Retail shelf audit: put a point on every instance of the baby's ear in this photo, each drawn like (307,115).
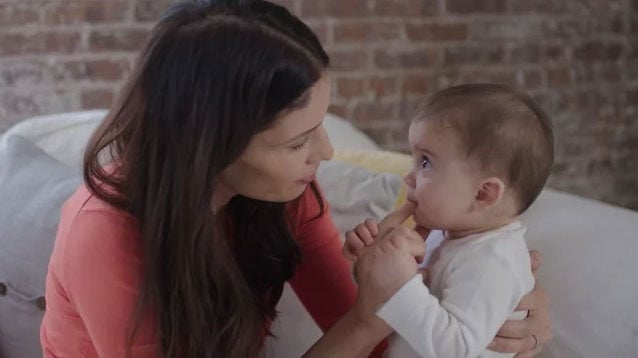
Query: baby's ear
(490,192)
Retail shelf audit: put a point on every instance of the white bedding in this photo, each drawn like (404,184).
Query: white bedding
(590,251)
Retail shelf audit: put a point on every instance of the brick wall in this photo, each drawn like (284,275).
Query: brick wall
(579,58)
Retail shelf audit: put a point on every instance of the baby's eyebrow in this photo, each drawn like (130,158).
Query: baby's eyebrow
(426,151)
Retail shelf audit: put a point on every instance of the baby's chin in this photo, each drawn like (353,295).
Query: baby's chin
(424,221)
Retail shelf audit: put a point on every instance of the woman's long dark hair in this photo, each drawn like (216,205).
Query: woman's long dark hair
(212,75)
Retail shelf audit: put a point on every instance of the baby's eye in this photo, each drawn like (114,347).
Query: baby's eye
(425,163)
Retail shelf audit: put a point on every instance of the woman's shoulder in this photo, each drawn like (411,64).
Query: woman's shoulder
(90,228)
(85,206)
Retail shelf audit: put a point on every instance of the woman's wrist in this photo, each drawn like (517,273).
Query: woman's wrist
(366,318)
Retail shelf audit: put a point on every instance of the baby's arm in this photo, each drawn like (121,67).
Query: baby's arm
(477,297)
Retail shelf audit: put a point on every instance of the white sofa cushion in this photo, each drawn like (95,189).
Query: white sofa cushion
(63,136)
(33,187)
(590,270)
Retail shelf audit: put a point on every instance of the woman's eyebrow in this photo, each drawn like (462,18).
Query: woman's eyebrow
(304,133)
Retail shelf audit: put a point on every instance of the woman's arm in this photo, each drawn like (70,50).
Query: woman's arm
(324,285)
(382,269)
(527,337)
(351,336)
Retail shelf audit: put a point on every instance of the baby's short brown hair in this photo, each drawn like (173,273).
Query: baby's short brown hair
(503,128)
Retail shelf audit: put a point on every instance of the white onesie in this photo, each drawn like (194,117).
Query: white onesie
(474,284)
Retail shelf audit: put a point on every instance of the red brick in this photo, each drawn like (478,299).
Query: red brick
(351,87)
(38,43)
(288,4)
(436,32)
(554,52)
(532,79)
(93,99)
(94,70)
(367,32)
(322,30)
(150,10)
(528,53)
(88,11)
(497,75)
(339,110)
(559,76)
(598,51)
(120,39)
(384,86)
(565,29)
(15,14)
(36,72)
(549,7)
(617,25)
(335,8)
(19,105)
(417,84)
(610,73)
(476,6)
(409,108)
(374,111)
(406,8)
(584,73)
(473,55)
(21,73)
(505,28)
(406,58)
(349,60)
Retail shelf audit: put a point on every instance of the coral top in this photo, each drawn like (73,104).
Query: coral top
(95,271)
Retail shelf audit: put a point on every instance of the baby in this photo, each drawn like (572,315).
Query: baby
(482,154)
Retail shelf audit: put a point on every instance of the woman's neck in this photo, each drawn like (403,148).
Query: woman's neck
(221,196)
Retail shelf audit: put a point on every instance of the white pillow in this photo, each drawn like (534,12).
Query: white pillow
(590,270)
(343,134)
(355,193)
(62,136)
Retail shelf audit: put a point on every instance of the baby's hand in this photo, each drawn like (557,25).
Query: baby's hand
(358,238)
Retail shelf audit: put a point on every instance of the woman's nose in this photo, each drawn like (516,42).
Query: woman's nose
(323,149)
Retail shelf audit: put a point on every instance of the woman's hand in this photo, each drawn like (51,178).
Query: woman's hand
(527,337)
(387,264)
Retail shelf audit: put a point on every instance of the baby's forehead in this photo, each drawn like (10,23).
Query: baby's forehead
(434,130)
(439,138)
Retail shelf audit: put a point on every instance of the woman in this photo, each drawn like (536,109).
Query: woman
(181,247)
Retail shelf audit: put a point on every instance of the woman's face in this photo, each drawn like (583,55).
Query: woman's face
(280,162)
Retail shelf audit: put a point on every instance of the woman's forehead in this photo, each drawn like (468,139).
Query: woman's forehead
(296,122)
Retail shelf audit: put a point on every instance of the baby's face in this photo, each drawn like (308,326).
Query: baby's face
(443,181)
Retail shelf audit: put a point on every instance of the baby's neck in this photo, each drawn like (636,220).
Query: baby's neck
(486,225)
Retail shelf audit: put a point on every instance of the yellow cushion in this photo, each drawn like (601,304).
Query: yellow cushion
(379,161)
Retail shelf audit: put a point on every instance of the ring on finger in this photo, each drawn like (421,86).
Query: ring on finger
(536,343)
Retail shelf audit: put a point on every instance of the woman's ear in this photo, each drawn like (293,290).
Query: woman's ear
(490,192)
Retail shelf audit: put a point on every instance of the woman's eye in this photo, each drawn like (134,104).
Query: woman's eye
(425,163)
(301,145)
